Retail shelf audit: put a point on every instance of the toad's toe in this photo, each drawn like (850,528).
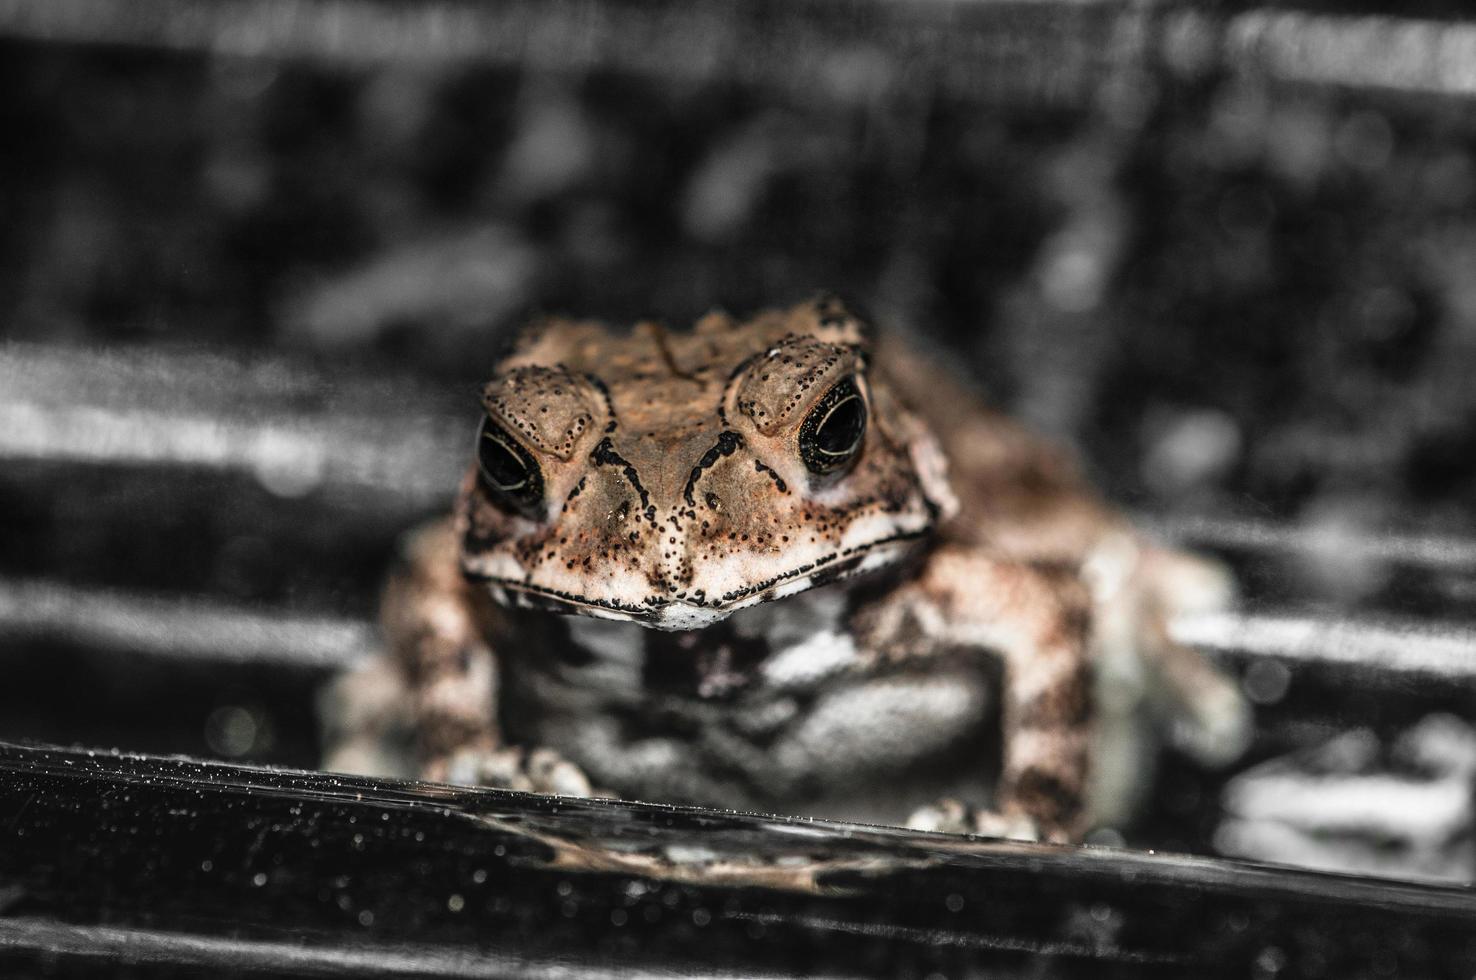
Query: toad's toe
(949,816)
(553,774)
(536,771)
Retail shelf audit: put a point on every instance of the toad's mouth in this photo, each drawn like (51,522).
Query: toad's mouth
(690,611)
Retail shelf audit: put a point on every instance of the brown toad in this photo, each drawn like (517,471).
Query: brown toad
(780,564)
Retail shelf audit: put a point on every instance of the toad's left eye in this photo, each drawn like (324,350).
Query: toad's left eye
(831,436)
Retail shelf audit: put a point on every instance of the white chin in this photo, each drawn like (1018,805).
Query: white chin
(676,615)
(683,616)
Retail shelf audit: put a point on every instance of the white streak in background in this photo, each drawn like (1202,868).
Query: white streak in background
(1269,841)
(197,628)
(286,461)
(1349,806)
(295,432)
(967,940)
(1386,52)
(1430,551)
(288,457)
(144,408)
(185,627)
(1397,53)
(1403,647)
(360,958)
(1371,803)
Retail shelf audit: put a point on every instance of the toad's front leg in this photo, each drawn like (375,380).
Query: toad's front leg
(435,626)
(1036,620)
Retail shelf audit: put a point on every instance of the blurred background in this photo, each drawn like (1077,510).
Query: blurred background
(255,257)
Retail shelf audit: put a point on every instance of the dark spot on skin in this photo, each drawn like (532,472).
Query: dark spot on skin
(1067,703)
(733,376)
(604,390)
(1049,795)
(605,455)
(835,572)
(727,442)
(530,596)
(1076,620)
(779,483)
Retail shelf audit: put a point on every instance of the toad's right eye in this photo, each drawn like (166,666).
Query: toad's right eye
(831,436)
(509,473)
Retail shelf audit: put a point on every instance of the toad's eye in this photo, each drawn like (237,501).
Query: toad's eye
(509,473)
(830,438)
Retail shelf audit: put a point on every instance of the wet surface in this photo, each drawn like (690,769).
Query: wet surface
(170,865)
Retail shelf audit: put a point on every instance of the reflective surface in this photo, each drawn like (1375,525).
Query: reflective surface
(165,863)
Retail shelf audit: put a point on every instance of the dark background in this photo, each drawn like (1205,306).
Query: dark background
(1230,262)
(1290,262)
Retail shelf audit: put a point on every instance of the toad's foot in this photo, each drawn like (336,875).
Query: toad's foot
(949,816)
(366,725)
(535,771)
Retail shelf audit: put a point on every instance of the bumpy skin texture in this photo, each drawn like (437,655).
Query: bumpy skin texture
(837,642)
(673,491)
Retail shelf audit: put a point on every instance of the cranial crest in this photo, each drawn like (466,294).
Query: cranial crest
(788,376)
(547,406)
